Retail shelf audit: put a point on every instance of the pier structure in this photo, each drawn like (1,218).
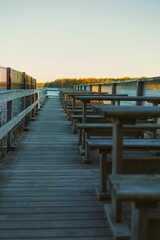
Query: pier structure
(20,101)
(137,87)
(48,191)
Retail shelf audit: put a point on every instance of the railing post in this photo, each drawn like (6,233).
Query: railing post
(90,88)
(140,86)
(9,109)
(9,117)
(114,86)
(8,78)
(99,88)
(25,128)
(34,110)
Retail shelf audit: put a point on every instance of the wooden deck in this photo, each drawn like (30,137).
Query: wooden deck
(46,192)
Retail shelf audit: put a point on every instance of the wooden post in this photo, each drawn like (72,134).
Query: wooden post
(90,86)
(9,117)
(8,78)
(9,108)
(139,224)
(103,193)
(99,88)
(36,98)
(25,128)
(140,86)
(117,152)
(117,163)
(114,86)
(84,113)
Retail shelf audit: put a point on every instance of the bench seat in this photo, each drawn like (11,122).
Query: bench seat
(143,192)
(90,118)
(135,165)
(105,129)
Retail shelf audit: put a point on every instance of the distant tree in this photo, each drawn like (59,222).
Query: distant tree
(70,82)
(40,85)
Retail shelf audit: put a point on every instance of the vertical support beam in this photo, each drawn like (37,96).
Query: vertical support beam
(36,98)
(103,173)
(30,102)
(34,109)
(114,86)
(99,88)
(140,88)
(90,88)
(117,150)
(116,208)
(23,76)
(25,80)
(84,113)
(8,78)
(9,109)
(139,223)
(9,117)
(24,119)
(117,163)
(84,137)
(86,158)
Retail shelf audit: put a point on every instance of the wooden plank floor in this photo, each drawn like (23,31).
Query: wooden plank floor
(46,192)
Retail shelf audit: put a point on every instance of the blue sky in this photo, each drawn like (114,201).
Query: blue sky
(50,39)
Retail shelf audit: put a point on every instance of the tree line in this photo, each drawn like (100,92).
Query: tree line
(70,82)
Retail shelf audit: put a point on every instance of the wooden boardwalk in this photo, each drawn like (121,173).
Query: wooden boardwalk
(46,192)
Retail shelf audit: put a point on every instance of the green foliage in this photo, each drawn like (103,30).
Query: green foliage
(63,83)
(70,82)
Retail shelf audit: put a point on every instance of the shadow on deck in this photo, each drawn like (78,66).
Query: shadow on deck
(46,192)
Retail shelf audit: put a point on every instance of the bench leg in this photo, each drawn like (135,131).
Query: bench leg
(86,158)
(116,208)
(74,129)
(117,150)
(139,224)
(83,141)
(79,137)
(102,192)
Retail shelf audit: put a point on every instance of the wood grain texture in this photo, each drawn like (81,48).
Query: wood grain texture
(46,192)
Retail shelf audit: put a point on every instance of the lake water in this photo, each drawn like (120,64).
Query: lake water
(53,93)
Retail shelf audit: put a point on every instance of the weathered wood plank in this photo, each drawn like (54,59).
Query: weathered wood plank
(12,123)
(14,94)
(46,192)
(53,224)
(41,233)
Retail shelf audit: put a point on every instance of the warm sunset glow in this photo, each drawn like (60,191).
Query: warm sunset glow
(52,39)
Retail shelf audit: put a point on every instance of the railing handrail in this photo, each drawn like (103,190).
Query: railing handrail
(14,121)
(10,95)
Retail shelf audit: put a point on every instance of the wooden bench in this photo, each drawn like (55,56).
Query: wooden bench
(92,129)
(143,191)
(135,164)
(75,118)
(105,129)
(69,106)
(78,111)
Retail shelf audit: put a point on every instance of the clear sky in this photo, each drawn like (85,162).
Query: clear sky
(50,39)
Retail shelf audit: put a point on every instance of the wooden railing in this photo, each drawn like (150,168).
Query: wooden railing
(136,87)
(17,109)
